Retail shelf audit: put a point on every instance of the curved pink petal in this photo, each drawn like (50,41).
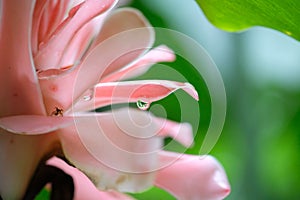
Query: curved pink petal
(141,65)
(53,14)
(46,17)
(116,150)
(181,132)
(100,59)
(79,45)
(190,177)
(37,15)
(51,51)
(34,124)
(19,157)
(147,91)
(84,188)
(20,94)
(17,72)
(132,27)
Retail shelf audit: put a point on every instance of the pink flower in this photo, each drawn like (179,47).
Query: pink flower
(55,68)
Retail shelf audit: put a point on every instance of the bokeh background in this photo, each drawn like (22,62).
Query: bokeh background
(260,143)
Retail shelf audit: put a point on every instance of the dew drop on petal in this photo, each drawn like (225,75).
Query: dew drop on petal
(143,105)
(88,95)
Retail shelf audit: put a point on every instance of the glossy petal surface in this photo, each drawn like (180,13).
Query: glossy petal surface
(51,51)
(147,91)
(181,132)
(197,177)
(34,124)
(116,150)
(17,72)
(84,188)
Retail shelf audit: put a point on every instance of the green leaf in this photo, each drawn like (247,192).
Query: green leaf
(43,195)
(237,15)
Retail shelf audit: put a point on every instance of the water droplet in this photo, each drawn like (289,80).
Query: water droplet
(88,95)
(142,104)
(87,98)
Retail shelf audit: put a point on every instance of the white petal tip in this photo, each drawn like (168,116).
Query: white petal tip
(222,183)
(191,91)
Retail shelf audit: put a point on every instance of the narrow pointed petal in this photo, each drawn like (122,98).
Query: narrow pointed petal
(17,72)
(141,65)
(130,91)
(79,45)
(51,52)
(128,27)
(84,188)
(116,150)
(34,124)
(47,16)
(37,16)
(181,132)
(52,15)
(190,177)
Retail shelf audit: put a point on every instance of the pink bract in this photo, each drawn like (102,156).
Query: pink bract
(61,59)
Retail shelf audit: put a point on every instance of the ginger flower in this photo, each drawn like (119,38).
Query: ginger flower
(59,61)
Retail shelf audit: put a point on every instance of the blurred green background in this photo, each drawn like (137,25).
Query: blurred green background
(260,143)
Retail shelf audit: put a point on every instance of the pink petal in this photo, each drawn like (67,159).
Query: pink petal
(124,36)
(19,157)
(181,132)
(100,59)
(141,65)
(47,16)
(130,91)
(20,93)
(34,124)
(190,177)
(80,42)
(37,15)
(115,150)
(51,52)
(84,188)
(133,29)
(53,14)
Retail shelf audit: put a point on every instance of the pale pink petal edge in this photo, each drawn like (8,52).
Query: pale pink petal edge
(84,188)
